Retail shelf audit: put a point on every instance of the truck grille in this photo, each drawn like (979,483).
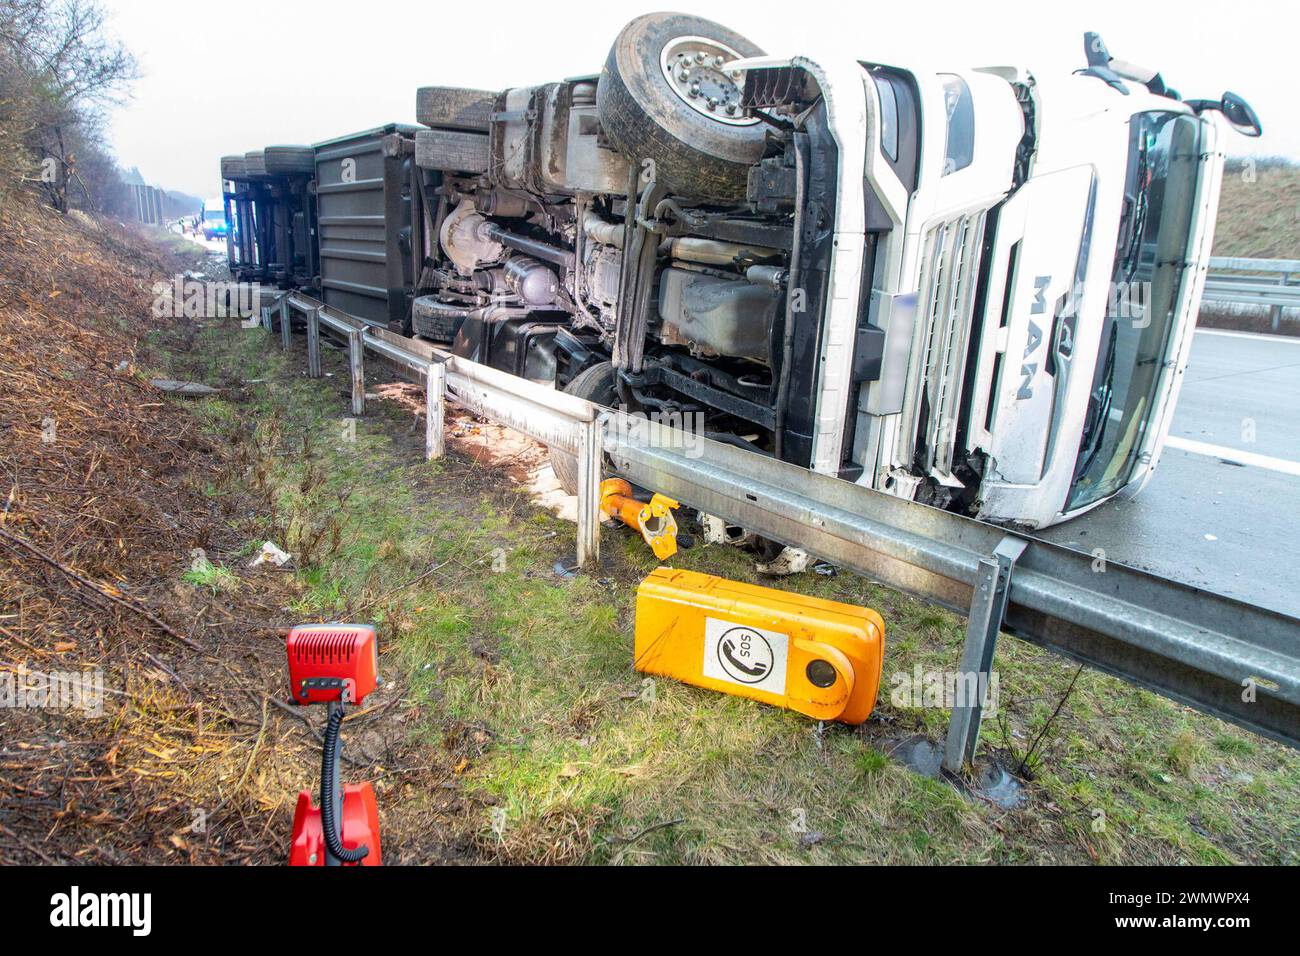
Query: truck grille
(950,267)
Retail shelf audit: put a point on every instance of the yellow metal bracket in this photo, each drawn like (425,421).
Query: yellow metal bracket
(654,519)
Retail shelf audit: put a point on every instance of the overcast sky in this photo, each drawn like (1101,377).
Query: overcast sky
(227,76)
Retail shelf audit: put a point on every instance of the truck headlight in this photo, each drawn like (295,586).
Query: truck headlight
(959,147)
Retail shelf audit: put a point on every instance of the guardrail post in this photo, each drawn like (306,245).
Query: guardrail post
(285,322)
(1277,309)
(987,607)
(589,456)
(435,390)
(357,362)
(313,343)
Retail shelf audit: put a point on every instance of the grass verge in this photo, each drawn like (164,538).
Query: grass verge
(516,683)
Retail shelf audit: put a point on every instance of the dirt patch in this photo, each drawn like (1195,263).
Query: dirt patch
(524,460)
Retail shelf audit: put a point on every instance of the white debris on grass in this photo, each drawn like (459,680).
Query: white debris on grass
(191,389)
(270,554)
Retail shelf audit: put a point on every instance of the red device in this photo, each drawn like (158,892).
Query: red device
(360,827)
(334,664)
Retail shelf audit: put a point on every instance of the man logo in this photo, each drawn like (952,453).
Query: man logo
(75,908)
(1029,369)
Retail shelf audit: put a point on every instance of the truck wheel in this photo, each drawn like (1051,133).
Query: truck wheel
(255,163)
(289,160)
(595,384)
(452,107)
(647,108)
(451,150)
(233,167)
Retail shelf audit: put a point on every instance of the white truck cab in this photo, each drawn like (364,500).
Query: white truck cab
(1038,286)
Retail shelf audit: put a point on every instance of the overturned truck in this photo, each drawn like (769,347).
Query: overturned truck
(973,288)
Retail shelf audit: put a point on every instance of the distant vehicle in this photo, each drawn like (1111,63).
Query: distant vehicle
(213,222)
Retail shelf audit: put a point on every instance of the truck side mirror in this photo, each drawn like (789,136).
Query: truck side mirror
(1235,110)
(1240,115)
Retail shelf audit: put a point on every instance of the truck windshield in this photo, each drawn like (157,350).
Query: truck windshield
(1142,312)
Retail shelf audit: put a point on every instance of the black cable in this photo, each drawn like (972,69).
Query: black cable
(329,790)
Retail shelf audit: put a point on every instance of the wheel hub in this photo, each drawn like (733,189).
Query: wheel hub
(696,69)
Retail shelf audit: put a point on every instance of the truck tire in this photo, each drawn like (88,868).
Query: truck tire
(696,155)
(595,384)
(255,163)
(436,320)
(233,167)
(451,150)
(453,107)
(289,160)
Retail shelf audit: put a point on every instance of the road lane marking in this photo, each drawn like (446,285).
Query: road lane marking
(1257,336)
(1234,455)
(1247,371)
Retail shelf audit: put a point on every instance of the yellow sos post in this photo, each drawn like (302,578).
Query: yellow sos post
(820,658)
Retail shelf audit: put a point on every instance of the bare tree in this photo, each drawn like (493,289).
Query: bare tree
(59,69)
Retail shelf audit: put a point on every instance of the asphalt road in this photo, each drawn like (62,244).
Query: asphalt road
(1222,511)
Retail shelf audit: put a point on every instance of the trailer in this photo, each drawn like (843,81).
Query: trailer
(368,214)
(269,202)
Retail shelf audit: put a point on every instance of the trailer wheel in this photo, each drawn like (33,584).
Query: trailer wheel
(451,150)
(255,163)
(662,97)
(289,160)
(233,167)
(453,107)
(595,384)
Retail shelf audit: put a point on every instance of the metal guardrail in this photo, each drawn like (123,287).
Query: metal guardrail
(1274,283)
(1216,654)
(149,203)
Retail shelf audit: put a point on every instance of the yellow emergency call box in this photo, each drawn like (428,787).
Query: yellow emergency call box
(820,658)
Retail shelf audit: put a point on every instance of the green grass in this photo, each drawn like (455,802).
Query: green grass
(519,683)
(174,242)
(217,578)
(1259,212)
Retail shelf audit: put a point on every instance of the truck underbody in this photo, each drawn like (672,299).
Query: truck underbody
(688,292)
